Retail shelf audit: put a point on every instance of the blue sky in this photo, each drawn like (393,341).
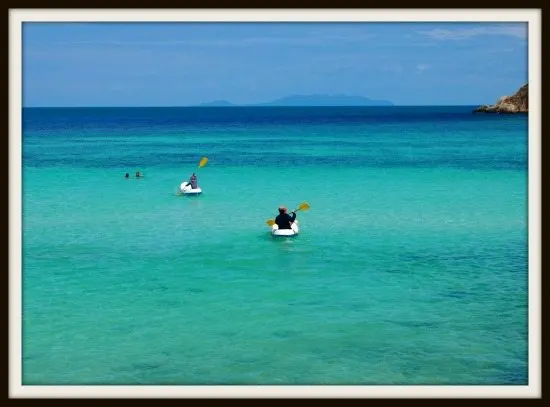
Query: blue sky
(179,64)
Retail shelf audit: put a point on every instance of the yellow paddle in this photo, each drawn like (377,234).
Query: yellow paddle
(203,162)
(304,206)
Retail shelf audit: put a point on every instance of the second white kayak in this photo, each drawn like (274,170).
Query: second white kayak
(185,188)
(293,231)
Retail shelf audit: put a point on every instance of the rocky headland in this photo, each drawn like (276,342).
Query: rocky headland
(517,103)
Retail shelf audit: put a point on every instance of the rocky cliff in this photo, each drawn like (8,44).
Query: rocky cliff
(517,103)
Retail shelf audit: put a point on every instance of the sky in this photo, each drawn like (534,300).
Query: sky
(188,63)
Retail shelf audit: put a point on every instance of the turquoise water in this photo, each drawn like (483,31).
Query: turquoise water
(410,268)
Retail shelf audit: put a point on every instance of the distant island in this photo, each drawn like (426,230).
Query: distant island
(309,100)
(217,103)
(517,103)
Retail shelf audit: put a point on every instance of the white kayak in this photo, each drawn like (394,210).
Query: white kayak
(275,231)
(185,188)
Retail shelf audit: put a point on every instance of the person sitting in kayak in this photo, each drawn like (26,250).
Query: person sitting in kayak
(193,181)
(283,219)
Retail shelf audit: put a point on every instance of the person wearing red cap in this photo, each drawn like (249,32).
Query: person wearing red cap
(283,219)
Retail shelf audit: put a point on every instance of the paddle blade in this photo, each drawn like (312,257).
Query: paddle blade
(203,162)
(270,222)
(303,207)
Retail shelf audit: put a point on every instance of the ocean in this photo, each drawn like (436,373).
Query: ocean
(410,268)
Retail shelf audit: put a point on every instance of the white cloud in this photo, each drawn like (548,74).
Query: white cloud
(500,50)
(236,42)
(420,68)
(517,31)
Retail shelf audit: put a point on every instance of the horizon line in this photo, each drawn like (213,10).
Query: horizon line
(236,106)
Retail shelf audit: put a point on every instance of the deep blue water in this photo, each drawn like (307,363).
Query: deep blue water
(255,135)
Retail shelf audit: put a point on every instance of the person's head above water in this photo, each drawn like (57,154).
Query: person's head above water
(282,209)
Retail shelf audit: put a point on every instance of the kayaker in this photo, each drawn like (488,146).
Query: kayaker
(283,219)
(138,174)
(193,181)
